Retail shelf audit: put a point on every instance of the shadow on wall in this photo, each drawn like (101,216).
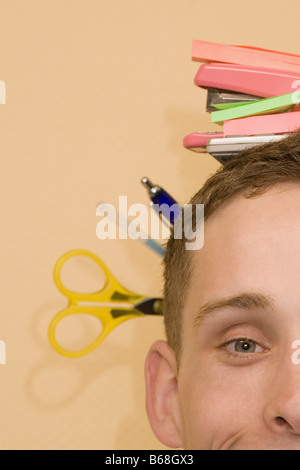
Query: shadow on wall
(193,168)
(57,382)
(135,423)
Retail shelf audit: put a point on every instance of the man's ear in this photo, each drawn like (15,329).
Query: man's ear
(162,400)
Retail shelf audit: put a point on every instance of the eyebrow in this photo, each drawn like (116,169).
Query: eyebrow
(243,301)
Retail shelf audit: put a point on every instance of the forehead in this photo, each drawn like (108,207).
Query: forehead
(250,244)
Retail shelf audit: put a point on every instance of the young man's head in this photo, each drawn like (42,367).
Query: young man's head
(228,376)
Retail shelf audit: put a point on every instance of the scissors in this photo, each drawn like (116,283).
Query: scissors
(113,304)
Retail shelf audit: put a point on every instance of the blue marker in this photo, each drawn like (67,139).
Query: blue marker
(160,197)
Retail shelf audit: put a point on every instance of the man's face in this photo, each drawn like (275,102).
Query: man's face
(239,378)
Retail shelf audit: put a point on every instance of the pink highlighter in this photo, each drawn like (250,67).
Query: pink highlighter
(251,80)
(197,142)
(275,124)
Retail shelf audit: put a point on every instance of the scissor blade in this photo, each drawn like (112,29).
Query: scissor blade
(150,306)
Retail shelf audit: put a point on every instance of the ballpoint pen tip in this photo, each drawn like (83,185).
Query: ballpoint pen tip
(146,182)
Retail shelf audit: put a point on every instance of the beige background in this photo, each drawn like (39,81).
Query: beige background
(99,94)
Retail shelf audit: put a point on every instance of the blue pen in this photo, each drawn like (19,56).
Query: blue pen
(123,227)
(160,197)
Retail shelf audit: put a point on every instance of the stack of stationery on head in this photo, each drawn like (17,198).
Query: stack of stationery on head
(253,93)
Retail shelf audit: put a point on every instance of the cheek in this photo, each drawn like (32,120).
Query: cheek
(219,402)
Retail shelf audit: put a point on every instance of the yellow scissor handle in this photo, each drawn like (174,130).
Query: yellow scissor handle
(104,316)
(112,289)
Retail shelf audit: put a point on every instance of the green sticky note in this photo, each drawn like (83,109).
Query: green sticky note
(221,106)
(277,104)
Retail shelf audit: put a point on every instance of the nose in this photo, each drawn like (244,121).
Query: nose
(282,414)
